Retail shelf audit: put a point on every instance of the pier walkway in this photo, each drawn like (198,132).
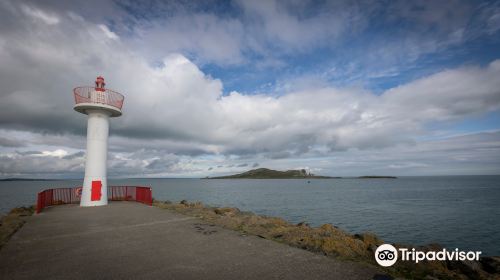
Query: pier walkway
(127,240)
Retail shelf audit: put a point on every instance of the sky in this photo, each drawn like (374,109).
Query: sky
(340,88)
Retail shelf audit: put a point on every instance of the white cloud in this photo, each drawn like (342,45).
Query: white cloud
(212,39)
(279,24)
(108,33)
(40,15)
(57,153)
(175,110)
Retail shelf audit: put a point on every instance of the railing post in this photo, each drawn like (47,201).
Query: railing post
(150,197)
(39,203)
(50,197)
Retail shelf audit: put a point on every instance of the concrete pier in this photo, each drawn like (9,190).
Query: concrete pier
(127,240)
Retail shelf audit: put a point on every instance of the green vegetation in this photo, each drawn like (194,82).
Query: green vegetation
(12,222)
(265,173)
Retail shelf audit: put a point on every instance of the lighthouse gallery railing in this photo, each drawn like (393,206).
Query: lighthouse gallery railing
(60,196)
(90,95)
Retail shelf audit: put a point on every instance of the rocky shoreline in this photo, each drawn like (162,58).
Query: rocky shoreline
(334,242)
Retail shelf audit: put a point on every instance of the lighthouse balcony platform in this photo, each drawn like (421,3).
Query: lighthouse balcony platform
(91,98)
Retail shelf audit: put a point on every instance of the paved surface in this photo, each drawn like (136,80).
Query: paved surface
(127,240)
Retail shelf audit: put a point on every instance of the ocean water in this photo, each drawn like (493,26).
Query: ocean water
(455,211)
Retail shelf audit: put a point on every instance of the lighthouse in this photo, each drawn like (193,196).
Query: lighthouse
(99,104)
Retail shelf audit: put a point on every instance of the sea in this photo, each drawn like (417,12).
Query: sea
(454,211)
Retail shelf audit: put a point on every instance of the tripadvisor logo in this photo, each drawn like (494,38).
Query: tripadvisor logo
(387,255)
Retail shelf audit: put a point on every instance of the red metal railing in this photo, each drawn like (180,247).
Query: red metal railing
(60,196)
(90,95)
(139,194)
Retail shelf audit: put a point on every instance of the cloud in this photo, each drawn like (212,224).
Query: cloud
(29,153)
(177,104)
(211,38)
(60,153)
(247,31)
(447,95)
(277,24)
(39,15)
(34,163)
(462,154)
(76,155)
(62,164)
(174,111)
(475,153)
(6,142)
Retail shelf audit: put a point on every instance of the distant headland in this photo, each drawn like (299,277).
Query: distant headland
(26,179)
(377,177)
(266,173)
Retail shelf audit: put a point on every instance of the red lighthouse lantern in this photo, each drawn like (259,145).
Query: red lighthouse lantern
(99,84)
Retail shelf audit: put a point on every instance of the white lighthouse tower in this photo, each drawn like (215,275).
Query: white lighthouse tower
(99,104)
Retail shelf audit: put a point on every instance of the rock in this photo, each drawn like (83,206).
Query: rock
(184,202)
(383,277)
(371,240)
(327,227)
(303,224)
(490,264)
(226,211)
(197,205)
(471,269)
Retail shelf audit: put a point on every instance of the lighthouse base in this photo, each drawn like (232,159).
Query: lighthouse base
(95,184)
(98,193)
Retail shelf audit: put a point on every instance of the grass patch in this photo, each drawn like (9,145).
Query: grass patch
(12,222)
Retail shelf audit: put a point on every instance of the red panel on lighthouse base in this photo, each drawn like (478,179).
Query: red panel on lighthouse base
(95,194)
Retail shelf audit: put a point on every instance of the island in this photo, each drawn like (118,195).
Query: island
(377,177)
(266,173)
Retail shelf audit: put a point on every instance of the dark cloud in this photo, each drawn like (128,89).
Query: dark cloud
(279,155)
(29,153)
(11,143)
(155,164)
(75,155)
